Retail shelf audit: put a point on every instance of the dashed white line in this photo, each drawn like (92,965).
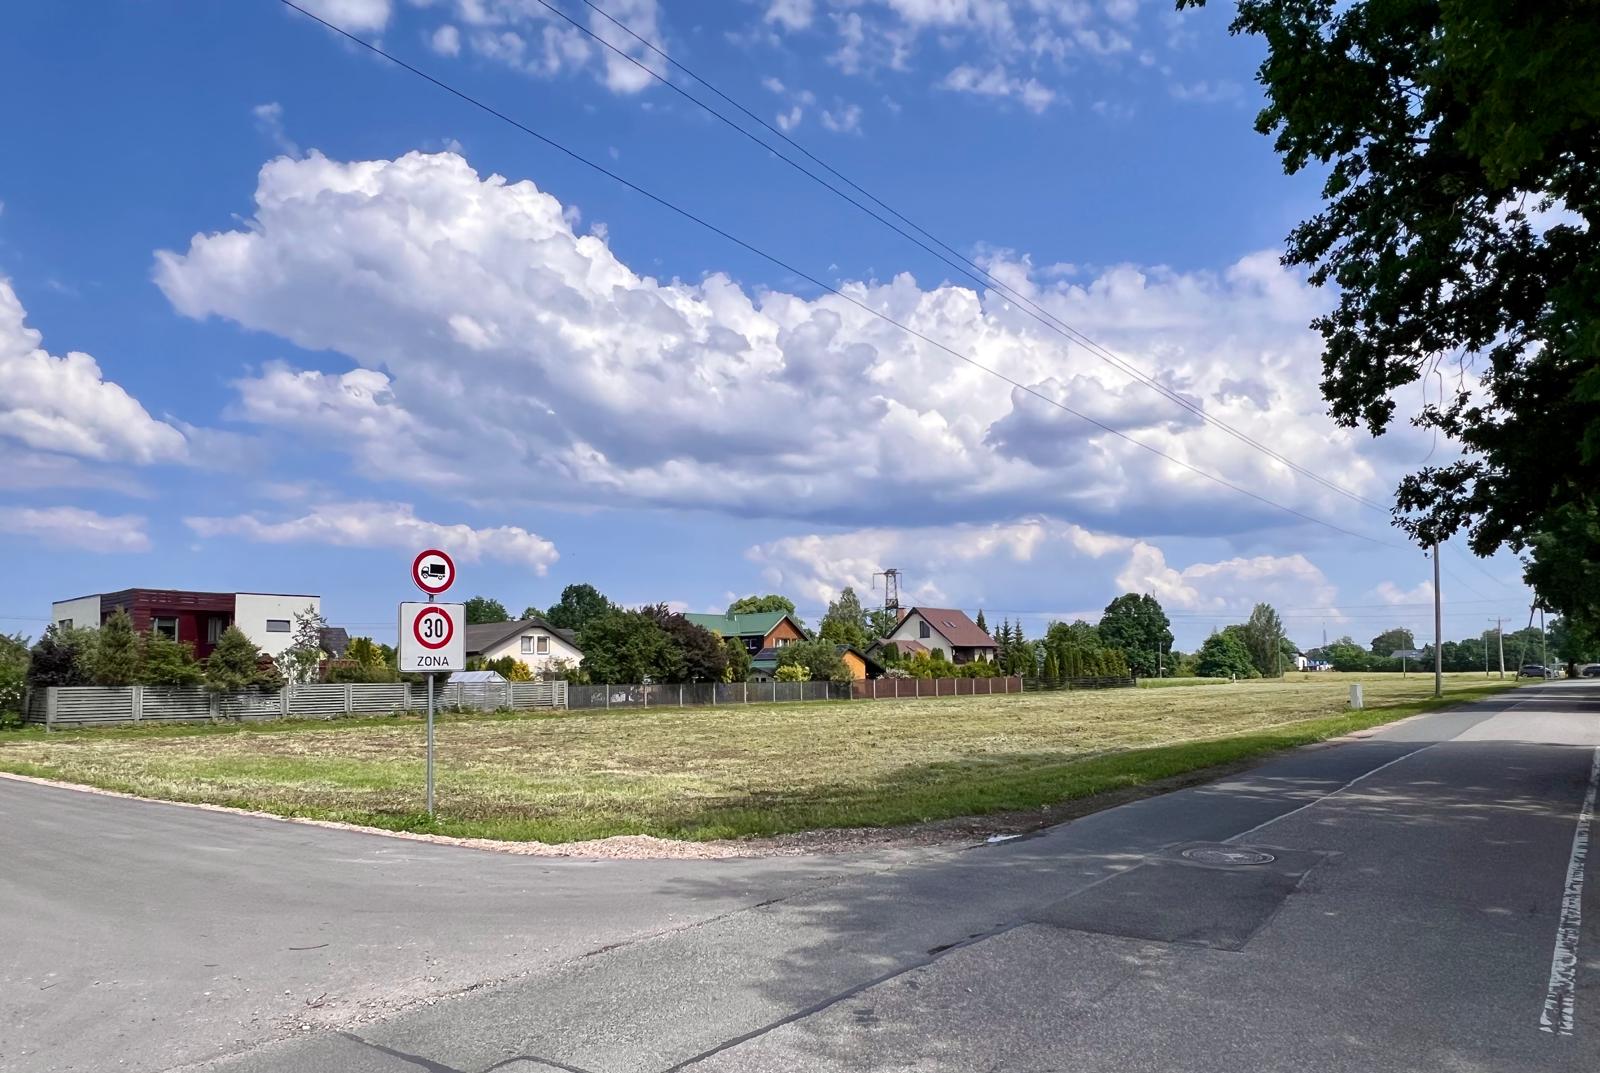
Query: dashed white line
(1558,1014)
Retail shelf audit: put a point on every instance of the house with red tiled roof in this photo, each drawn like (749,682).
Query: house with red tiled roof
(943,629)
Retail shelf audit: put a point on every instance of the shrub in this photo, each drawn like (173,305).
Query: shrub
(793,672)
(236,664)
(116,658)
(165,662)
(63,656)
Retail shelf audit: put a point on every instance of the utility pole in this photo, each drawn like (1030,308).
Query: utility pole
(1438,629)
(891,587)
(1544,645)
(1486,652)
(1500,636)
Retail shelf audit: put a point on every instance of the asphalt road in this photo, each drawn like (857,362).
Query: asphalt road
(1421,913)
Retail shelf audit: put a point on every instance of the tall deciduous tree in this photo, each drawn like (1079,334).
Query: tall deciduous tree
(480,609)
(845,622)
(628,646)
(579,603)
(1224,656)
(1136,624)
(1262,634)
(1390,641)
(818,656)
(1461,204)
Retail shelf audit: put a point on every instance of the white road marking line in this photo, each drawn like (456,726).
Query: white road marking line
(1558,1016)
(1331,793)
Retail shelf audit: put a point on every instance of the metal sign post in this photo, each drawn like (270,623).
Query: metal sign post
(430,746)
(432,636)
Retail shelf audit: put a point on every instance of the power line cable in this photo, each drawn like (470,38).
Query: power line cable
(835,291)
(961,262)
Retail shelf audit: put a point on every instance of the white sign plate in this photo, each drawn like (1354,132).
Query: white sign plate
(433,571)
(433,638)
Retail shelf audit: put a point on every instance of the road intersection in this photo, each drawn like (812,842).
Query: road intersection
(1412,917)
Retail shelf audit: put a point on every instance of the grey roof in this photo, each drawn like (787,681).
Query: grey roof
(335,640)
(475,677)
(482,636)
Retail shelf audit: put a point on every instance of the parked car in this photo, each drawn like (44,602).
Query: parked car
(1591,671)
(1532,670)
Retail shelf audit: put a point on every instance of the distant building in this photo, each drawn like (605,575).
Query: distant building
(761,633)
(196,617)
(532,642)
(944,629)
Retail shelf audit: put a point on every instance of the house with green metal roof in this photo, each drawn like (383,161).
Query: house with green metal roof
(762,634)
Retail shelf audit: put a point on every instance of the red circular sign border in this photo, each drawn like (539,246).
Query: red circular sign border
(416,566)
(416,627)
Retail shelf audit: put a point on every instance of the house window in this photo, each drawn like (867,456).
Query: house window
(527,646)
(167,627)
(541,645)
(924,630)
(64,623)
(277,625)
(214,628)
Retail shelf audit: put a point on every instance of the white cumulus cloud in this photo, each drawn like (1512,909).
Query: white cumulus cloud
(66,405)
(74,527)
(385,525)
(495,349)
(357,16)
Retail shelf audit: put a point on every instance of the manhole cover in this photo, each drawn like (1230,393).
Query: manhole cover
(1212,855)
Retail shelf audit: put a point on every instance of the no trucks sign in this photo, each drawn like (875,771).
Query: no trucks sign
(432,638)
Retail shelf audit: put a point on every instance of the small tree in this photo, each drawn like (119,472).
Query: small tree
(299,662)
(982,625)
(235,665)
(738,668)
(1052,669)
(116,659)
(792,672)
(881,621)
(165,662)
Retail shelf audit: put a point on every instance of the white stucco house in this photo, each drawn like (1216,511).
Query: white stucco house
(196,618)
(532,641)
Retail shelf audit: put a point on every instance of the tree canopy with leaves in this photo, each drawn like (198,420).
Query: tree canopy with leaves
(480,609)
(1224,656)
(1461,142)
(579,603)
(1136,624)
(845,622)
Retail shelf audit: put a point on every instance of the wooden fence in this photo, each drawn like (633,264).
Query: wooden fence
(902,688)
(81,706)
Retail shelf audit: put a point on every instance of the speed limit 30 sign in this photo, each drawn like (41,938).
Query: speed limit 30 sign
(432,637)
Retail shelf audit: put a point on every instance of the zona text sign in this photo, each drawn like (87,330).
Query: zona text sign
(432,638)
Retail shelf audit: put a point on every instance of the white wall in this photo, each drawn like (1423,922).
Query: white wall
(910,629)
(251,610)
(84,611)
(559,650)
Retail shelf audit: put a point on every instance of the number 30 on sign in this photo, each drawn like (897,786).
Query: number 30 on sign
(432,637)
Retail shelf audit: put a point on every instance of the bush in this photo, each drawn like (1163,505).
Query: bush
(793,672)
(165,662)
(64,656)
(116,658)
(236,665)
(13,673)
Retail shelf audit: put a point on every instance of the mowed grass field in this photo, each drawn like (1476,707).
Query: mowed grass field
(726,772)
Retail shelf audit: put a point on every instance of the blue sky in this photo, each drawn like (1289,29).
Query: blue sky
(274,313)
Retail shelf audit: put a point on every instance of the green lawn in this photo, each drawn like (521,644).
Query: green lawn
(726,772)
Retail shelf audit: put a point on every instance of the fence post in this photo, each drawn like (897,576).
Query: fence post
(50,707)
(918,688)
(137,703)
(283,700)
(214,712)
(874,689)
(746,691)
(607,688)
(349,699)
(680,694)
(774,690)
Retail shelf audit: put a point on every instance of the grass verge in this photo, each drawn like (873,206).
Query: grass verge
(703,774)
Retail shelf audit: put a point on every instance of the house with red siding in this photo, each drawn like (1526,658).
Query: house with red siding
(194,617)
